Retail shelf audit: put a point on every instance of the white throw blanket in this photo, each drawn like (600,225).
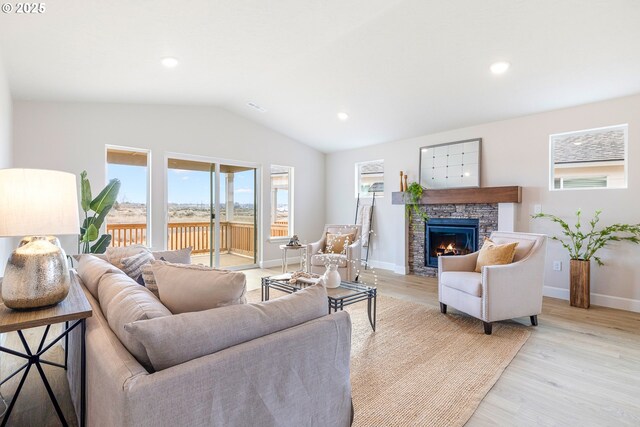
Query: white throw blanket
(364,219)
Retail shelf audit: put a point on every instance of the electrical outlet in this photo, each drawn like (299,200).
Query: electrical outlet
(557,265)
(537,209)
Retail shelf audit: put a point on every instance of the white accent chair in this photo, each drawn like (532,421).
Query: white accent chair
(500,292)
(348,263)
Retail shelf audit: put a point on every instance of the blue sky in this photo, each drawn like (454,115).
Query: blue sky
(191,187)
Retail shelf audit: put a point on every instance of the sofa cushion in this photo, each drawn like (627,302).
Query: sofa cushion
(464,281)
(319,259)
(180,256)
(123,301)
(494,254)
(115,254)
(183,288)
(170,341)
(91,269)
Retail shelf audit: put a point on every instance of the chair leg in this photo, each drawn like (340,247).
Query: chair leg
(488,327)
(534,320)
(443,308)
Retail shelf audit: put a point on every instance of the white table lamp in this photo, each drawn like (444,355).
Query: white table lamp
(38,204)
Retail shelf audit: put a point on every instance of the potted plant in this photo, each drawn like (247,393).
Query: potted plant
(413,195)
(583,246)
(101,205)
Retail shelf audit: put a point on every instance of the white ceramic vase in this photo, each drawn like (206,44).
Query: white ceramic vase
(331,277)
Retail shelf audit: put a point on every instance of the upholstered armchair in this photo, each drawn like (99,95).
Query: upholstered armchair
(348,262)
(499,292)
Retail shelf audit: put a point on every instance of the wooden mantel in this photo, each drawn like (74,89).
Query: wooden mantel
(511,194)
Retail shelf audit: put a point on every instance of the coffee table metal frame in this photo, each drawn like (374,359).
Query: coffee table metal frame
(359,292)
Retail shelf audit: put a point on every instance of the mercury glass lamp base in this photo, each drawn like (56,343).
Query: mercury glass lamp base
(36,275)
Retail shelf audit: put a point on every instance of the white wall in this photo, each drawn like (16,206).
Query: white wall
(5,151)
(72,137)
(515,152)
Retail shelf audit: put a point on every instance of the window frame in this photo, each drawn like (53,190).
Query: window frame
(357,167)
(290,203)
(551,183)
(146,151)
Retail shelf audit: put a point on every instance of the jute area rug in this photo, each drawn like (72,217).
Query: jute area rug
(423,368)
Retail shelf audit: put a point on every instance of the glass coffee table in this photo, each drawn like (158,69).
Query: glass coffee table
(346,294)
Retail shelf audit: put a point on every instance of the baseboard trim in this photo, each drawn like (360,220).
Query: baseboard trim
(270,263)
(401,269)
(553,292)
(381,265)
(619,303)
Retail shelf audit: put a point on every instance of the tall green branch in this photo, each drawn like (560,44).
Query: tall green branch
(585,246)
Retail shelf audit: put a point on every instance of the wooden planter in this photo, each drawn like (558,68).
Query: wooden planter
(580,288)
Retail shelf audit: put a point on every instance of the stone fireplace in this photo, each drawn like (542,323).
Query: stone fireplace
(460,216)
(462,212)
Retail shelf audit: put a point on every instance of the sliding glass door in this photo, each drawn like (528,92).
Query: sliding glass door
(212,209)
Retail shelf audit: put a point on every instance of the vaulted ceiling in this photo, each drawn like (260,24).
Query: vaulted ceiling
(398,68)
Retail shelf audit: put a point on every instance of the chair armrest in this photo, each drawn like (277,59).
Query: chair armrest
(458,262)
(513,290)
(354,250)
(314,247)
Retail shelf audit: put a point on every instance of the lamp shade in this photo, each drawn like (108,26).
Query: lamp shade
(36,202)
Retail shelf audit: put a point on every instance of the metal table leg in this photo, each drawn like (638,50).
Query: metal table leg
(37,360)
(83,374)
(372,302)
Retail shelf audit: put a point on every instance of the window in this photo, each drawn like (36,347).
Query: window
(281,201)
(128,220)
(587,159)
(370,178)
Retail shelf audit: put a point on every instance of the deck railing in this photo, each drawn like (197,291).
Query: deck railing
(235,237)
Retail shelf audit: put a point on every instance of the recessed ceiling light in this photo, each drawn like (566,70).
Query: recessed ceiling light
(169,62)
(343,116)
(577,143)
(499,67)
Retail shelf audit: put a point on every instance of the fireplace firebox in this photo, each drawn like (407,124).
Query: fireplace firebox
(449,236)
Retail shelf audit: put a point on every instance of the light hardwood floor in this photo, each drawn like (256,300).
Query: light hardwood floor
(579,368)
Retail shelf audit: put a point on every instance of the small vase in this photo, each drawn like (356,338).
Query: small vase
(331,277)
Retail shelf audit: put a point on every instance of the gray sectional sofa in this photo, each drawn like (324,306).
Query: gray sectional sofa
(260,376)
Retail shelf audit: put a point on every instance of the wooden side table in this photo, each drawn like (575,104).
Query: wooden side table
(285,248)
(73,311)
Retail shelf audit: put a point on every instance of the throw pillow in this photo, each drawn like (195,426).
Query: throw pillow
(172,340)
(132,266)
(149,279)
(115,254)
(337,243)
(123,301)
(185,288)
(522,250)
(493,254)
(180,256)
